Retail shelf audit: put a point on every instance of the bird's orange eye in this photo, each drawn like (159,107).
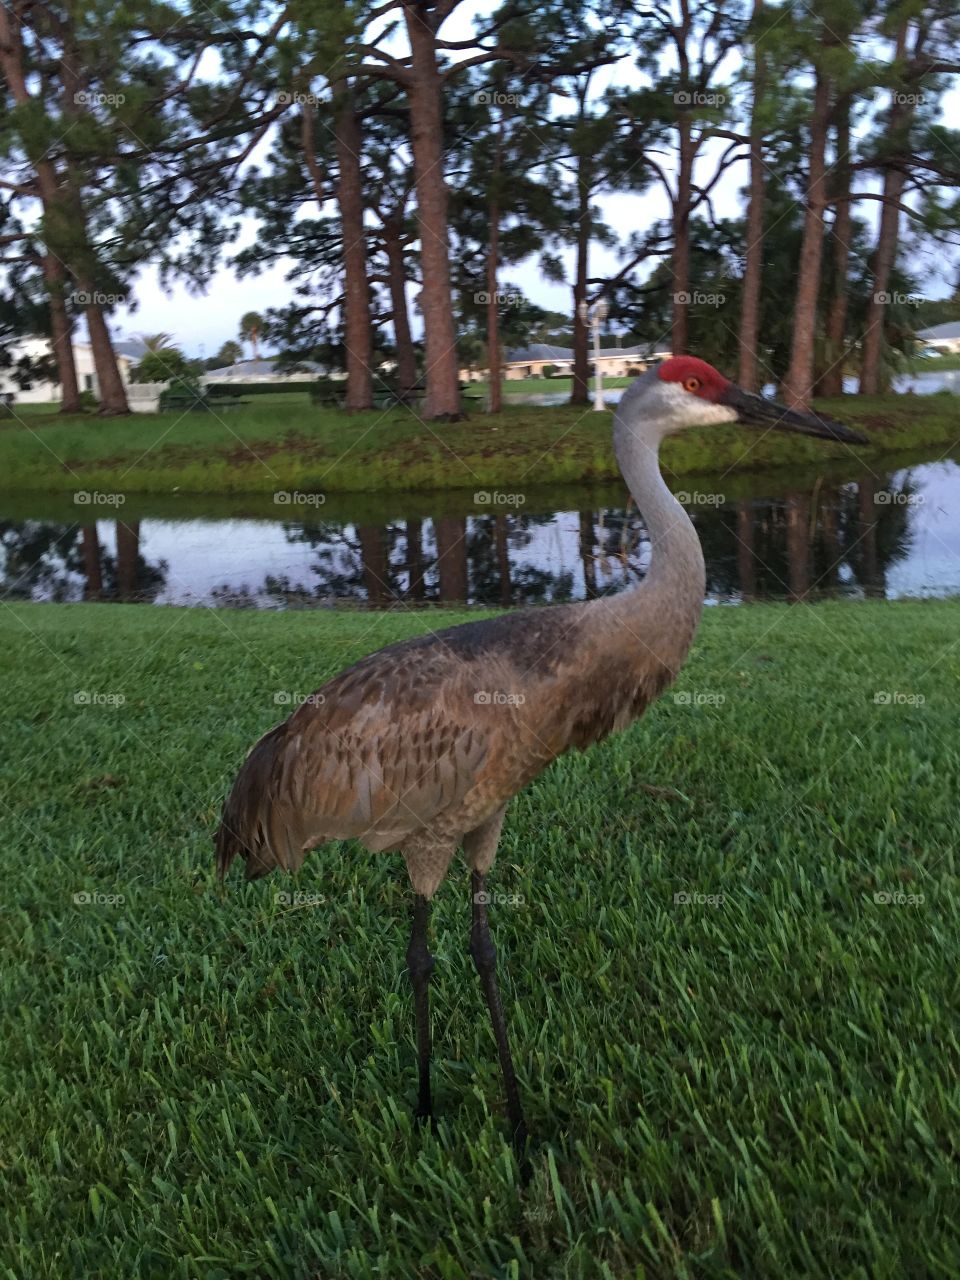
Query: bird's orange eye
(691,384)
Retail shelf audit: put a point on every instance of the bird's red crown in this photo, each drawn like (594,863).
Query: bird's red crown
(696,376)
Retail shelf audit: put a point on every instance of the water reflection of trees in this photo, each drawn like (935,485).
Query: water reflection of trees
(826,540)
(45,561)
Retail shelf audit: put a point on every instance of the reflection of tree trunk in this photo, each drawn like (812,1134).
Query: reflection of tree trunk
(92,572)
(871,575)
(451,534)
(586,556)
(830,526)
(746,562)
(376,571)
(128,554)
(415,583)
(503,560)
(798,546)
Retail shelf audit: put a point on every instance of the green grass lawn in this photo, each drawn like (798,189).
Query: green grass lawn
(761,1081)
(265,449)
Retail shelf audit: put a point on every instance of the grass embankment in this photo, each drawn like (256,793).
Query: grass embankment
(765,1085)
(266,449)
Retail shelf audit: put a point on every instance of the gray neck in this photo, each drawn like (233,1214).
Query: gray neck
(676,559)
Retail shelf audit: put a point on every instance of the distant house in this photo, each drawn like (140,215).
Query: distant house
(265,371)
(943,337)
(49,392)
(530,362)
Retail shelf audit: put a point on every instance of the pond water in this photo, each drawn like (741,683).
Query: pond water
(836,531)
(921,384)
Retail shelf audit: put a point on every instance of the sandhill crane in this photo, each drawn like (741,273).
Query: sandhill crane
(418,748)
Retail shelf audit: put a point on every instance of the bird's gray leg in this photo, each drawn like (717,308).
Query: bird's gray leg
(420,964)
(484,955)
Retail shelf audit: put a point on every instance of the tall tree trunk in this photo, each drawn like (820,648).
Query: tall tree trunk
(753,256)
(113,394)
(580,393)
(436,299)
(679,323)
(494,359)
(894,179)
(397,283)
(84,262)
(358,331)
(92,571)
(830,382)
(54,220)
(798,384)
(61,334)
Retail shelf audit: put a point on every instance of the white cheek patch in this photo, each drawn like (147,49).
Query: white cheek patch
(684,409)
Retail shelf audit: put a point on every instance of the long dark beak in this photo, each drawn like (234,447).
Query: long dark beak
(759,411)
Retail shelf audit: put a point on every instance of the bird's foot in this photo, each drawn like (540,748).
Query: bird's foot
(423,1117)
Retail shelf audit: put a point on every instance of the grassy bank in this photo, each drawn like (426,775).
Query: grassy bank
(213,1087)
(270,448)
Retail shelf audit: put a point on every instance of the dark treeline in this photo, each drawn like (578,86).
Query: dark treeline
(404,165)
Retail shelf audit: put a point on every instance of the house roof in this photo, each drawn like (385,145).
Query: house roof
(949,330)
(544,351)
(262,368)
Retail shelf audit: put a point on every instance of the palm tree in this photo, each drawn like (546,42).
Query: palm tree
(157,341)
(250,326)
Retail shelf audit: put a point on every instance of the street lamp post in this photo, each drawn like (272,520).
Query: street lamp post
(600,312)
